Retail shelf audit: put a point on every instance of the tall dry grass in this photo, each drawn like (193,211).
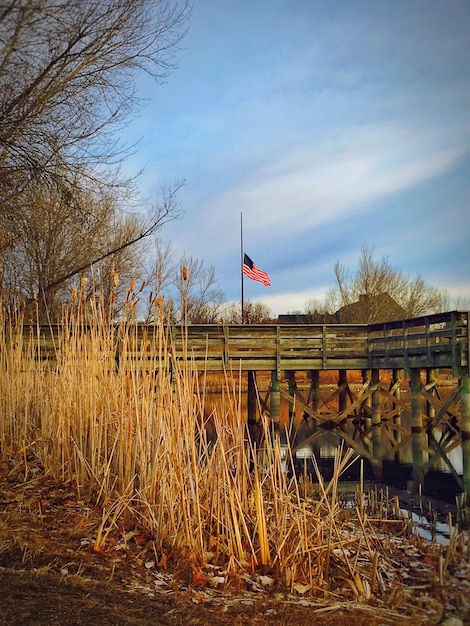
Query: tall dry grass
(135,441)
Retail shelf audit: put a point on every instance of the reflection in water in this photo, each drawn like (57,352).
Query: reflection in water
(322,444)
(431,531)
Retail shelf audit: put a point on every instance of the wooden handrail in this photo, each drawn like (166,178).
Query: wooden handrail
(439,340)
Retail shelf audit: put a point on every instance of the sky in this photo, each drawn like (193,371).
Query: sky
(331,126)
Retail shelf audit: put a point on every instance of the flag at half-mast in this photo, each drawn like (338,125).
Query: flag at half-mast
(251,271)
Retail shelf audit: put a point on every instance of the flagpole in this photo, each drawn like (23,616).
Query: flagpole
(241,266)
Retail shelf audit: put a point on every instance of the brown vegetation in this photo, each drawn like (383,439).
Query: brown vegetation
(109,479)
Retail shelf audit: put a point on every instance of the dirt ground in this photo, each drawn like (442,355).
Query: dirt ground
(51,575)
(47,598)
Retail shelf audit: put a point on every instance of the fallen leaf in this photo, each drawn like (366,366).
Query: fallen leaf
(140,540)
(199,578)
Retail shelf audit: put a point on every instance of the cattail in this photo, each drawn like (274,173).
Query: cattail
(115,279)
(185,272)
(131,290)
(83,282)
(74,294)
(159,302)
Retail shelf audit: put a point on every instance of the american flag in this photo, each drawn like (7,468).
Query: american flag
(253,272)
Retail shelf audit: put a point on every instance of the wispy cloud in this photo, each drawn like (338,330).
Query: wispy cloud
(342,176)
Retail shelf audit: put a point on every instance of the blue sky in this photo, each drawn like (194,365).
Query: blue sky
(331,125)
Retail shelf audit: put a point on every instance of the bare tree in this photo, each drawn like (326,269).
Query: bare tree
(182,291)
(253,313)
(161,276)
(55,245)
(165,266)
(67,84)
(199,298)
(457,303)
(378,292)
(67,78)
(320,311)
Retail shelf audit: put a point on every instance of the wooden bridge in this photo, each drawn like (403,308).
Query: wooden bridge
(434,341)
(413,350)
(437,341)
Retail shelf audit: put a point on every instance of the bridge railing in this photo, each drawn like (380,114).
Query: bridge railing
(430,341)
(439,340)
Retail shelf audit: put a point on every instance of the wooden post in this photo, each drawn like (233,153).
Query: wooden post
(254,429)
(430,410)
(252,412)
(292,388)
(314,392)
(417,428)
(314,402)
(367,410)
(275,401)
(396,391)
(376,425)
(465,429)
(343,394)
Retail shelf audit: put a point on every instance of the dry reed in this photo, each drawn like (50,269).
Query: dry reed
(129,432)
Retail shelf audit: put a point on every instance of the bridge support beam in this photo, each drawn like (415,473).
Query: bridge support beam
(275,401)
(252,408)
(376,425)
(417,441)
(314,391)
(396,392)
(431,377)
(465,429)
(314,401)
(366,410)
(343,393)
(255,430)
(292,388)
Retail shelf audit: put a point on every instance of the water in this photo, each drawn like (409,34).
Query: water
(430,530)
(441,488)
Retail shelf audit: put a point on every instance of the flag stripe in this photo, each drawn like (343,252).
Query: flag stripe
(254,273)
